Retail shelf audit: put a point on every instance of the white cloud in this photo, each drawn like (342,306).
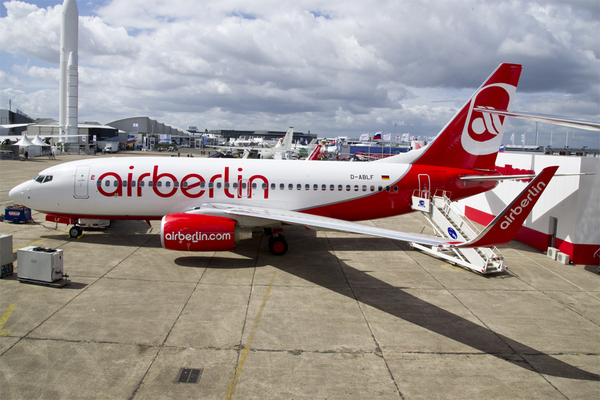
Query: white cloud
(335,68)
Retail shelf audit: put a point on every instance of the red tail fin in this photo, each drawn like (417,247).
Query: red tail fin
(472,138)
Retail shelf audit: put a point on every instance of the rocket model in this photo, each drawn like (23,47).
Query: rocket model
(67,114)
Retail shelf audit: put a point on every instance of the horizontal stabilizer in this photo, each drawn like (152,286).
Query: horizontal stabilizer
(573,123)
(484,178)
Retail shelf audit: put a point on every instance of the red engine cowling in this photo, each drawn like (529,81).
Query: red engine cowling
(193,232)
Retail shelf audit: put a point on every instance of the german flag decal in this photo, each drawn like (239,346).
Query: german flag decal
(385,177)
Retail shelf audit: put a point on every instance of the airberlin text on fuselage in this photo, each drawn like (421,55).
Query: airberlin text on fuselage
(167,185)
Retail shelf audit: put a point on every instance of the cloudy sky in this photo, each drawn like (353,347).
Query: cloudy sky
(328,67)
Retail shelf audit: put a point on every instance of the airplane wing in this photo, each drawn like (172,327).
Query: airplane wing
(314,222)
(573,123)
(501,230)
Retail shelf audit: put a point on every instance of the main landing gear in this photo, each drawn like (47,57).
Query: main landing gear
(75,231)
(277,244)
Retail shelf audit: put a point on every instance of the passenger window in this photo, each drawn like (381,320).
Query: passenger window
(332,187)
(168,183)
(387,188)
(210,185)
(235,185)
(264,186)
(142,184)
(340,187)
(273,186)
(185,184)
(282,186)
(218,185)
(124,184)
(175,184)
(347,188)
(244,185)
(291,186)
(372,188)
(299,186)
(107,183)
(159,184)
(323,187)
(307,187)
(316,187)
(116,183)
(150,183)
(99,183)
(133,183)
(380,188)
(396,189)
(202,184)
(226,185)
(356,188)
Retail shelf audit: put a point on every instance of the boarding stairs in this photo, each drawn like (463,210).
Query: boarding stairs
(446,222)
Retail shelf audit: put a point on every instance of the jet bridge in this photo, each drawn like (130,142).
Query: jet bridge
(449,224)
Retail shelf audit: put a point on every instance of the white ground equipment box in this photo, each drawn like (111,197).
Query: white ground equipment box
(40,264)
(6,255)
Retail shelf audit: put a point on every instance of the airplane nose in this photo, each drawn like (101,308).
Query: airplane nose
(17,194)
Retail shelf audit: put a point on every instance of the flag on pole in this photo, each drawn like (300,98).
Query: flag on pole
(377,135)
(364,137)
(387,137)
(405,137)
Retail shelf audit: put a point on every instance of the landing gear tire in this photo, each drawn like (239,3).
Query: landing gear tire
(75,231)
(278,245)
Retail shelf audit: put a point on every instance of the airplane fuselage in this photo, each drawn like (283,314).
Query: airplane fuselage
(152,187)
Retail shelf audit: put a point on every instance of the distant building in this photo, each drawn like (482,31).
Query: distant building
(8,117)
(148,132)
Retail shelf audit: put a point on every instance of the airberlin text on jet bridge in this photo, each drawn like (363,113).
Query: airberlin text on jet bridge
(192,185)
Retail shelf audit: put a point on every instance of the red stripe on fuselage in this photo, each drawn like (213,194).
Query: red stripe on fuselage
(386,204)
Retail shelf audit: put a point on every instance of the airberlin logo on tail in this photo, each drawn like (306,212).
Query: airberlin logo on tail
(532,193)
(483,131)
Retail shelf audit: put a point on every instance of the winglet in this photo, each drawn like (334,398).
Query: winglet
(505,226)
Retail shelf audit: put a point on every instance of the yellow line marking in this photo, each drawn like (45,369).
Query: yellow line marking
(38,241)
(244,355)
(5,317)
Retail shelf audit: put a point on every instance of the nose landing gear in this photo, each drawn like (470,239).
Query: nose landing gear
(75,231)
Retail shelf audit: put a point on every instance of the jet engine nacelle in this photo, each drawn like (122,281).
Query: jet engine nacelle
(193,232)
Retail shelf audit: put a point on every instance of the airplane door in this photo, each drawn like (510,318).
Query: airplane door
(81,182)
(424,186)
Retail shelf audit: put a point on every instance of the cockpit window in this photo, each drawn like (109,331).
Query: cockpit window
(43,178)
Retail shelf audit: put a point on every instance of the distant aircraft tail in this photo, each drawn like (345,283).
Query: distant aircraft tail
(472,138)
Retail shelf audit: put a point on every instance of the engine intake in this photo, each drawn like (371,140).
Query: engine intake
(193,232)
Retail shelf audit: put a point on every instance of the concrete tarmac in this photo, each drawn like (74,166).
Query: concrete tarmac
(339,316)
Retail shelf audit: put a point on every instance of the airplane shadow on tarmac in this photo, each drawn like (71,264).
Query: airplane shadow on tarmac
(396,302)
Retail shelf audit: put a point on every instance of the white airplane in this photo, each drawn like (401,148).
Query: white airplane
(281,150)
(210,204)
